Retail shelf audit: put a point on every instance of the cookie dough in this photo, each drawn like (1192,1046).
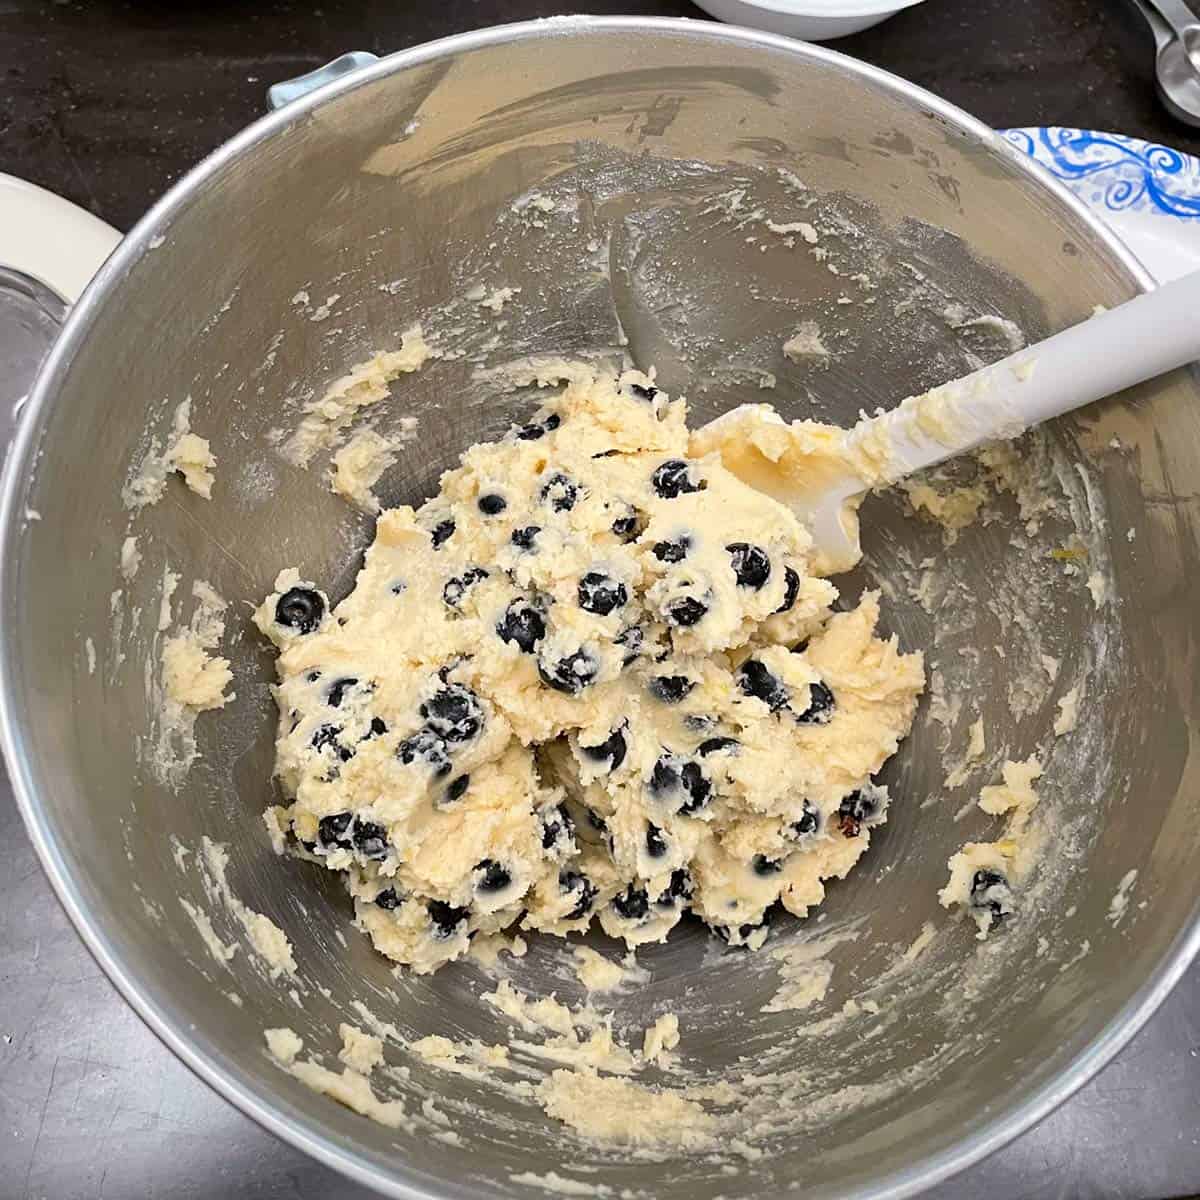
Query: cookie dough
(983,874)
(596,678)
(192,677)
(186,454)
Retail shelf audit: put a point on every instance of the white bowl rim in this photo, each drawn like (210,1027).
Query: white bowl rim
(831,9)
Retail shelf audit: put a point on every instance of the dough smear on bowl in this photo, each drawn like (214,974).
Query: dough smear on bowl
(594,679)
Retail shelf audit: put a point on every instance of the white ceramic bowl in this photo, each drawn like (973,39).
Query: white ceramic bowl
(812,20)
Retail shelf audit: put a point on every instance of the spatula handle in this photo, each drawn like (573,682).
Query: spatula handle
(1147,336)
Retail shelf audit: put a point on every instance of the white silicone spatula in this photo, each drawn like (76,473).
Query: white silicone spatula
(1138,340)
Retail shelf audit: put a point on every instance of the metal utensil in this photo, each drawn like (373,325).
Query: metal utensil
(1145,337)
(1177,56)
(1184,25)
(385,191)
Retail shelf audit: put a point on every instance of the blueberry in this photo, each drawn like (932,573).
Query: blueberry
(399,588)
(986,878)
(300,609)
(611,750)
(445,918)
(791,589)
(696,786)
(656,845)
(458,586)
(338,690)
(601,594)
(751,566)
(573,881)
(495,878)
(456,789)
(665,777)
(556,824)
(370,840)
(378,728)
(672,552)
(809,822)
(560,492)
(643,393)
(428,747)
(335,830)
(538,429)
(686,612)
(571,674)
(753,679)
(327,735)
(523,625)
(856,809)
(990,890)
(672,478)
(441,531)
(670,689)
(716,745)
(454,713)
(629,526)
(671,776)
(765,866)
(388,899)
(523,538)
(490,504)
(743,931)
(313,676)
(820,707)
(633,903)
(679,889)
(631,638)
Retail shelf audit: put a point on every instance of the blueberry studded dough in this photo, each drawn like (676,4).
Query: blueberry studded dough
(593,680)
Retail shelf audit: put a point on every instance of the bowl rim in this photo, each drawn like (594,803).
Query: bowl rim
(220,1070)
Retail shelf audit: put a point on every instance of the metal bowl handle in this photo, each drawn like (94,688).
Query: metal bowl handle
(284,92)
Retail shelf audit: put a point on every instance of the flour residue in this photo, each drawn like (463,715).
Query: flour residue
(131,558)
(1119,904)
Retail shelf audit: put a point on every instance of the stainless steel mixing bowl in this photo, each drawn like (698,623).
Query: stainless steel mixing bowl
(612,170)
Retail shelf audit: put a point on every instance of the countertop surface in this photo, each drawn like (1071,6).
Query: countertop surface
(108,103)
